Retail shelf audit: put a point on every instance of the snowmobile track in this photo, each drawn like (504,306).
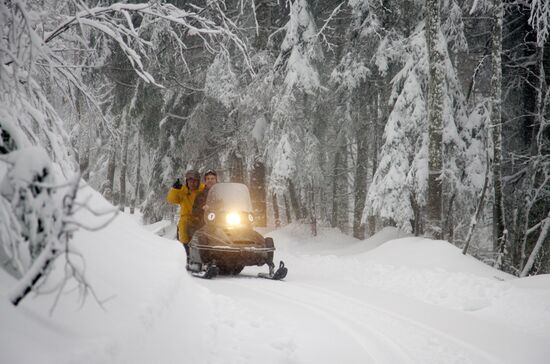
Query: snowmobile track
(328,295)
(368,339)
(389,325)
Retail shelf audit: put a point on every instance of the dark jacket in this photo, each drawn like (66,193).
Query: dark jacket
(197,213)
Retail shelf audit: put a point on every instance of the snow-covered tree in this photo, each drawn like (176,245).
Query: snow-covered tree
(499,223)
(38,68)
(436,49)
(292,151)
(399,188)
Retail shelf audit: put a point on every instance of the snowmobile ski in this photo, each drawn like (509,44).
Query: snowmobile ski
(277,275)
(208,273)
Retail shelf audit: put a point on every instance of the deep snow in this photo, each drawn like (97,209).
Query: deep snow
(388,299)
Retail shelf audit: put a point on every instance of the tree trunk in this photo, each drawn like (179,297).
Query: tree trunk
(294,200)
(263,19)
(449,220)
(360,184)
(417,213)
(137,196)
(124,160)
(84,150)
(236,169)
(334,218)
(85,157)
(499,230)
(287,210)
(371,222)
(276,210)
(435,118)
(312,209)
(344,191)
(111,167)
(378,115)
(257,193)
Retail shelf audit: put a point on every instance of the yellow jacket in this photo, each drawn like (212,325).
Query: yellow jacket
(185,198)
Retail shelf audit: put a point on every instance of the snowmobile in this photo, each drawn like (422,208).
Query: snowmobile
(227,242)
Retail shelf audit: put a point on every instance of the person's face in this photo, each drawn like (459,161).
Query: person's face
(210,180)
(192,183)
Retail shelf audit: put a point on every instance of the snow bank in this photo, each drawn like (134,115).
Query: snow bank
(429,271)
(381,237)
(329,240)
(420,253)
(132,272)
(151,309)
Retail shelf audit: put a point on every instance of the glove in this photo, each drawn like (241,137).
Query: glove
(177,185)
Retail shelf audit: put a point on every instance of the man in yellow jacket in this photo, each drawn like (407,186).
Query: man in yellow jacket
(185,196)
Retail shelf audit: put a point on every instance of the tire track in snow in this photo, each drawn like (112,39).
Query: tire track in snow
(369,340)
(328,295)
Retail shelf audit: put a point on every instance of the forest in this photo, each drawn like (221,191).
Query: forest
(431,116)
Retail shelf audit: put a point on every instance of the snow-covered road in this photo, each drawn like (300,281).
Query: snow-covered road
(325,313)
(388,299)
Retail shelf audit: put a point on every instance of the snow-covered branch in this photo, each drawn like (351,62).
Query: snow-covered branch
(321,33)
(540,20)
(41,50)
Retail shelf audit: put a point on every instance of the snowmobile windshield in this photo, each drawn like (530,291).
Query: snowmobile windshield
(229,196)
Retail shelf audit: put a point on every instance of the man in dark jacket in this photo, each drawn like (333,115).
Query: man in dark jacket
(199,205)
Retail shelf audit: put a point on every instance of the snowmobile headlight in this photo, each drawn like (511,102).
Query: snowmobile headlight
(250,218)
(211,216)
(233,218)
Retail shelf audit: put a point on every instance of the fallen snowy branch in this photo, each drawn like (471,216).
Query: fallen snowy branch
(32,276)
(538,246)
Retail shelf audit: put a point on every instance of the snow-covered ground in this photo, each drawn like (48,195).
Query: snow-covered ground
(388,299)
